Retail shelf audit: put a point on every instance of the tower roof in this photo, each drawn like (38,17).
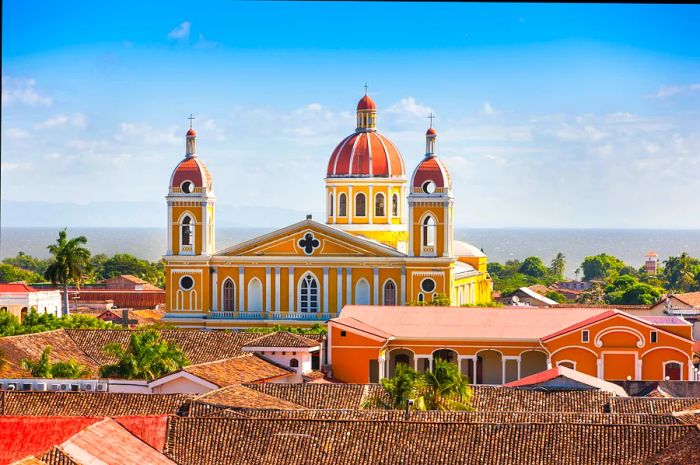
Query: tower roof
(191,168)
(366,103)
(366,154)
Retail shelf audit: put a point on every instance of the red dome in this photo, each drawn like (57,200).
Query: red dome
(431,132)
(366,154)
(366,103)
(191,133)
(191,169)
(431,169)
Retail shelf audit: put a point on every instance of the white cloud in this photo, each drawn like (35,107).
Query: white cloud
(76,119)
(488,109)
(181,32)
(144,133)
(670,91)
(16,133)
(409,105)
(17,90)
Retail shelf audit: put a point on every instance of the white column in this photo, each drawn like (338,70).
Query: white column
(446,232)
(370,202)
(325,290)
(215,290)
(402,207)
(380,361)
(388,204)
(339,290)
(205,226)
(549,363)
(335,203)
(350,205)
(170,229)
(520,374)
(638,370)
(277,290)
(291,289)
(268,289)
(241,289)
(348,286)
(411,232)
(600,367)
(376,286)
(475,359)
(503,370)
(403,286)
(415,363)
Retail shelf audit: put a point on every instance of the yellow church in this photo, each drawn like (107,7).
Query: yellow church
(384,242)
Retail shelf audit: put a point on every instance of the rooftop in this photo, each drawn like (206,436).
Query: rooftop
(283,339)
(247,368)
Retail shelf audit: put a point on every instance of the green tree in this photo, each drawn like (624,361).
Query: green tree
(558,266)
(556,296)
(533,266)
(27,262)
(71,261)
(9,324)
(681,273)
(601,266)
(43,368)
(398,389)
(444,388)
(637,294)
(146,357)
(123,263)
(10,273)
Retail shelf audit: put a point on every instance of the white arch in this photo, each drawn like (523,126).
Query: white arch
(193,300)
(344,197)
(179,299)
(223,300)
(667,362)
(376,201)
(254,296)
(187,213)
(318,292)
(331,206)
(396,290)
(572,362)
(665,347)
(425,234)
(492,350)
(181,224)
(619,329)
(362,292)
(574,347)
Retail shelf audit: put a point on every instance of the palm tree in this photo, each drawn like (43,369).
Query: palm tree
(70,263)
(444,388)
(397,390)
(147,357)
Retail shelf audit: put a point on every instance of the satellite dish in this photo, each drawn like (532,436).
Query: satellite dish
(515,299)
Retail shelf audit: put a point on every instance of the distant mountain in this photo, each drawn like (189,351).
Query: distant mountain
(135,214)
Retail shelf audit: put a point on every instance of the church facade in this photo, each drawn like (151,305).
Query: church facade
(386,240)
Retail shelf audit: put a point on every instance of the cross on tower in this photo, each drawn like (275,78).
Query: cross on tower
(191,118)
(366,88)
(431,117)
(309,243)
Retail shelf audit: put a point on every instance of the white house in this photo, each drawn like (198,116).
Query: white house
(19,298)
(300,354)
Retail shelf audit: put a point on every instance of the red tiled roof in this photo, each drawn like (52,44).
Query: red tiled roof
(581,324)
(110,443)
(366,103)
(573,375)
(689,298)
(283,339)
(431,168)
(248,368)
(150,429)
(242,397)
(38,434)
(19,288)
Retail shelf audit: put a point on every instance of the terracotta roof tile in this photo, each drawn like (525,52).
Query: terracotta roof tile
(453,416)
(689,416)
(199,346)
(248,368)
(320,395)
(30,346)
(242,397)
(682,451)
(658,405)
(57,457)
(71,404)
(31,460)
(689,298)
(282,339)
(204,441)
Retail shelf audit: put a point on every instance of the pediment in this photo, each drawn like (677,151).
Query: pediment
(311,239)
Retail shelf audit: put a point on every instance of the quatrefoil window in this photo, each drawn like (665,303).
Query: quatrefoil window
(309,243)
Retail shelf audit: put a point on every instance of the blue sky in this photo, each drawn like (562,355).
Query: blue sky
(549,115)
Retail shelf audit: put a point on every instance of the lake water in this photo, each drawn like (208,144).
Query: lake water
(500,244)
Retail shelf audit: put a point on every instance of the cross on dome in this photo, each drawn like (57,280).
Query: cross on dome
(191,118)
(366,87)
(431,117)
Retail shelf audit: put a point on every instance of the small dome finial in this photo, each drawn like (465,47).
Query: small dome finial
(191,142)
(430,136)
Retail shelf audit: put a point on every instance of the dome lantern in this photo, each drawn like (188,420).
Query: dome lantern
(366,113)
(191,142)
(430,138)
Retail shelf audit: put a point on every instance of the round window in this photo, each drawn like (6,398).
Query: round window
(428,285)
(187,187)
(428,187)
(186,283)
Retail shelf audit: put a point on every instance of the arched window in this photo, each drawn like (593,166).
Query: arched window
(379,205)
(228,295)
(360,207)
(362,292)
(429,231)
(421,297)
(308,294)
(330,205)
(294,363)
(186,231)
(395,205)
(389,293)
(342,205)
(254,295)
(401,359)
